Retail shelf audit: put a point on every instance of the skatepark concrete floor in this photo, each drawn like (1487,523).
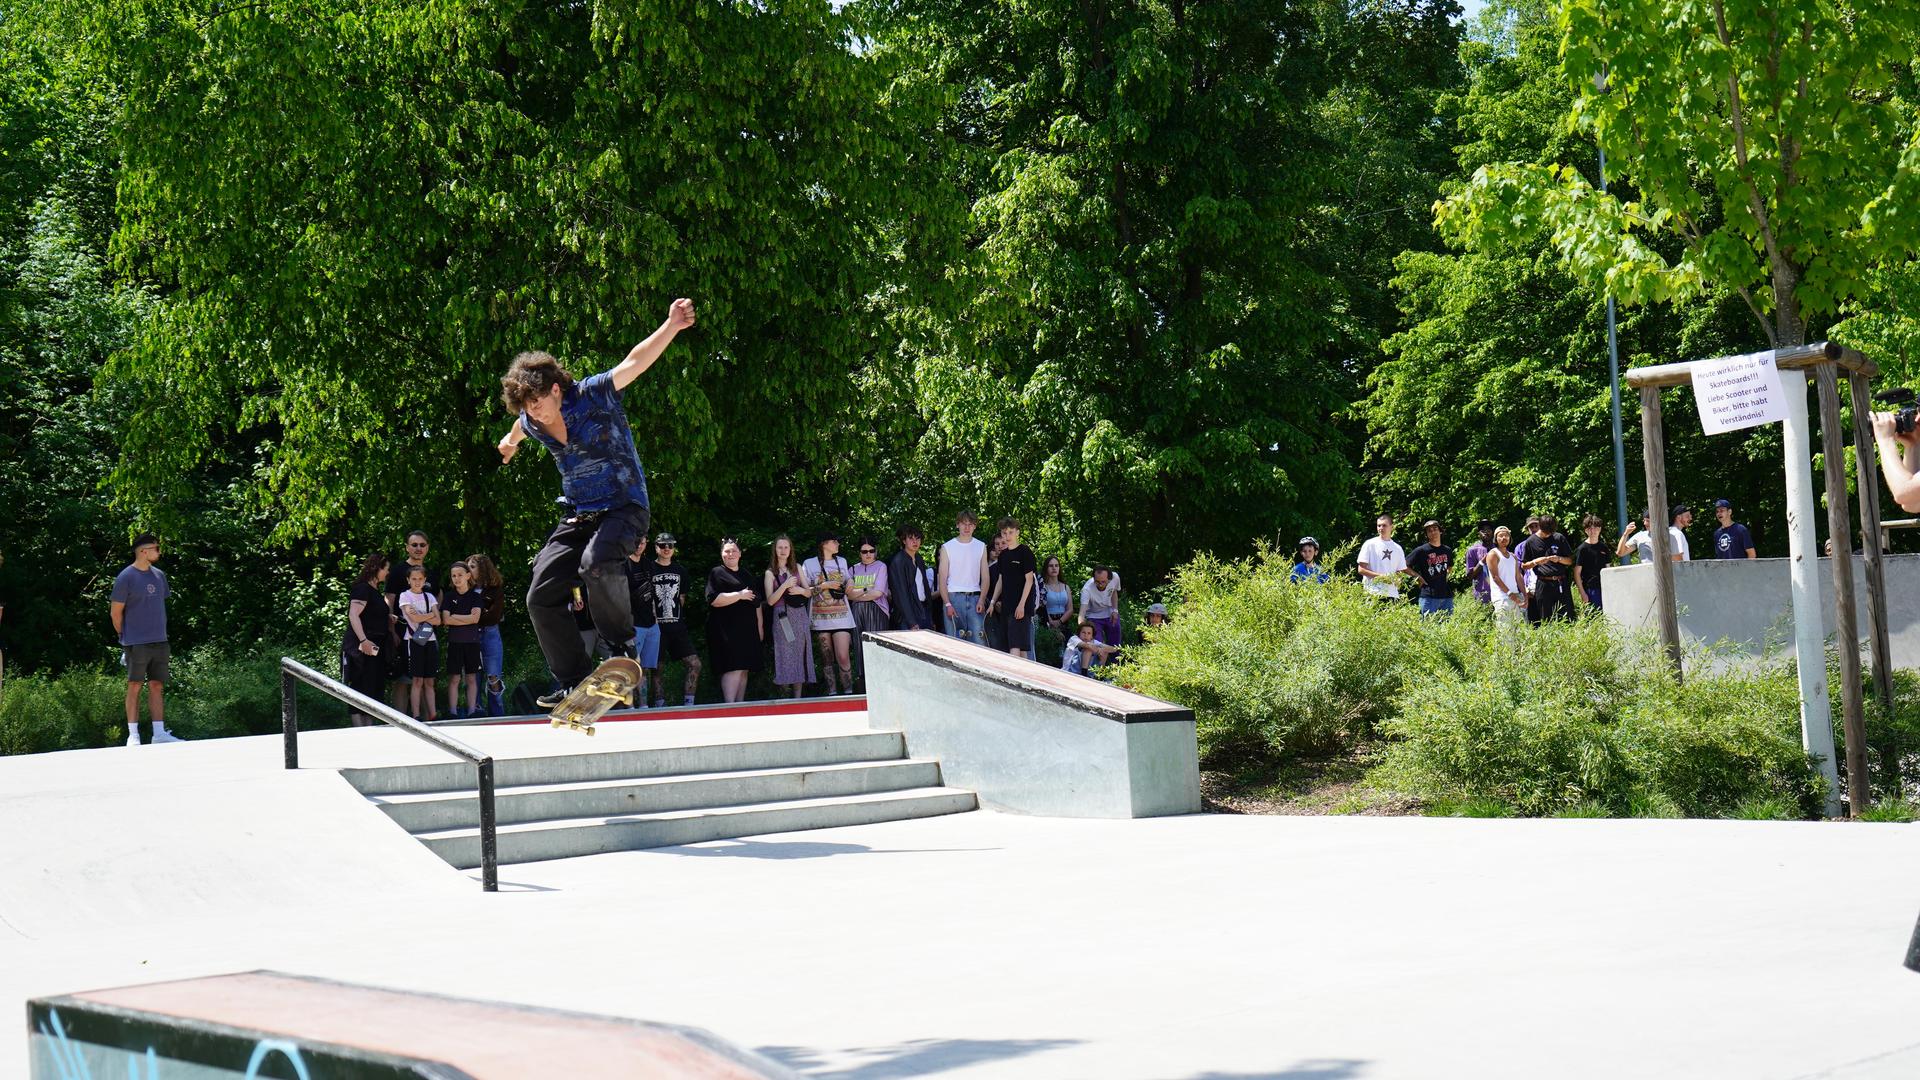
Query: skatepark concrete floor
(1211,947)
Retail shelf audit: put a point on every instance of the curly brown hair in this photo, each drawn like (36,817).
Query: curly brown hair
(532,375)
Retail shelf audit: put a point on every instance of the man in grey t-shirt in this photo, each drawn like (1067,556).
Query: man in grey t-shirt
(140,619)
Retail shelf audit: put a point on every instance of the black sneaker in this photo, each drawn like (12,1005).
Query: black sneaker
(553,698)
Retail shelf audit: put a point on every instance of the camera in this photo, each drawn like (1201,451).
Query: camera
(1903,418)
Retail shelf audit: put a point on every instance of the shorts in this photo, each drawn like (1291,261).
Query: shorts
(423,659)
(675,641)
(146,663)
(463,658)
(646,646)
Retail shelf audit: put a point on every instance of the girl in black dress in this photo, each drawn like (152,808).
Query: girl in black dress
(734,627)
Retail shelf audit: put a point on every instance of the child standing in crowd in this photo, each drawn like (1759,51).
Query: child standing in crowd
(1475,556)
(460,614)
(996,620)
(422,613)
(792,635)
(493,657)
(825,576)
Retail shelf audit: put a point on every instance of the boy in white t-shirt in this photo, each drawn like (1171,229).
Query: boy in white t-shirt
(1382,560)
(961,579)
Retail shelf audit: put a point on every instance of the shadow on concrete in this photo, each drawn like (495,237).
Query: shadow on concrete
(516,886)
(916,1057)
(1311,1069)
(786,849)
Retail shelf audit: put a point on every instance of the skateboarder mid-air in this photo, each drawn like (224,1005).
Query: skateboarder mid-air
(604,496)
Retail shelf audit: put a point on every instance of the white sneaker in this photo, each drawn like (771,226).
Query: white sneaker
(161,735)
(133,737)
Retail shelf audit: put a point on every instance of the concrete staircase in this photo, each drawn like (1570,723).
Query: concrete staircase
(583,804)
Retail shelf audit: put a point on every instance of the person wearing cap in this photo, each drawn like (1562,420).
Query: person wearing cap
(1431,564)
(1475,557)
(1382,560)
(1731,540)
(1307,566)
(603,495)
(668,580)
(139,612)
(1156,614)
(1550,556)
(1682,521)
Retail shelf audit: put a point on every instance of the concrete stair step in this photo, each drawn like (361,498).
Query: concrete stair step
(432,811)
(541,840)
(585,766)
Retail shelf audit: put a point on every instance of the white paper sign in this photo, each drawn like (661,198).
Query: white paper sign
(1738,392)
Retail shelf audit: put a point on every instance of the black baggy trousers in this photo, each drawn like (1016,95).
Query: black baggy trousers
(587,551)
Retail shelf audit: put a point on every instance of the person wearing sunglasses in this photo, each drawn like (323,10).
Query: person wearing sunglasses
(868,589)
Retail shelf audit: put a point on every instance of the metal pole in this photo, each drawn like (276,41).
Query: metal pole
(489,836)
(1846,626)
(290,718)
(1613,373)
(1803,551)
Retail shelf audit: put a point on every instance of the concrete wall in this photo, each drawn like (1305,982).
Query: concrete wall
(1746,603)
(1029,738)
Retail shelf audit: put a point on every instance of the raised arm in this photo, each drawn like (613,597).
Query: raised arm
(1902,484)
(511,442)
(641,356)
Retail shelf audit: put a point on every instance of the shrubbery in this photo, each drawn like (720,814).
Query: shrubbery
(1471,716)
(213,694)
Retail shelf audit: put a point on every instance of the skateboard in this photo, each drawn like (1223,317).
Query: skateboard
(612,683)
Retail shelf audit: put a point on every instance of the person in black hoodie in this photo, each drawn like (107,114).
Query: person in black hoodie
(907,575)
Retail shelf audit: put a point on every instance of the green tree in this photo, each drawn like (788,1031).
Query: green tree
(1765,139)
(1159,302)
(1493,399)
(358,213)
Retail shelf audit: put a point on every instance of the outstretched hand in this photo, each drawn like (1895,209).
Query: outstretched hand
(680,315)
(507,449)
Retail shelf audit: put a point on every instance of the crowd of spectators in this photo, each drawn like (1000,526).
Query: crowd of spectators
(1544,575)
(797,616)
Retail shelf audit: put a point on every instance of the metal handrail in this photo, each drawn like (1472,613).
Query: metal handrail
(292,670)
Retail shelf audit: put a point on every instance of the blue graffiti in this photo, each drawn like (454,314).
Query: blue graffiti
(72,1064)
(267,1047)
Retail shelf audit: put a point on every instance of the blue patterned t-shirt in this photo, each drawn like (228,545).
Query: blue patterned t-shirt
(599,468)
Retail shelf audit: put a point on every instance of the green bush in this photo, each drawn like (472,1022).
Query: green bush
(1273,668)
(74,710)
(218,694)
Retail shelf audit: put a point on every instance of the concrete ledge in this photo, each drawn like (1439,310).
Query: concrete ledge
(1028,738)
(264,1023)
(1748,604)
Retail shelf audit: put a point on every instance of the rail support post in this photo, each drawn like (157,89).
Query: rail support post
(489,837)
(290,718)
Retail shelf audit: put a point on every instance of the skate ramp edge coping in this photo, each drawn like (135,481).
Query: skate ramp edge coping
(1029,738)
(269,1024)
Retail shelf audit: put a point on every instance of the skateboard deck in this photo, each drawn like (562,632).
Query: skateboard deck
(611,684)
